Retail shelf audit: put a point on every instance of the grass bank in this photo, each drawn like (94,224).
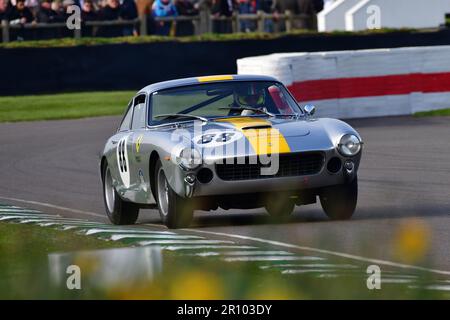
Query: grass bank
(84,105)
(72,42)
(63,106)
(441,113)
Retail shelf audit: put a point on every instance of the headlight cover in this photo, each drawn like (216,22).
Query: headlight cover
(189,158)
(349,145)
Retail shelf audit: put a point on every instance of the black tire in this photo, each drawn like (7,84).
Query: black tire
(175,211)
(119,212)
(339,202)
(279,206)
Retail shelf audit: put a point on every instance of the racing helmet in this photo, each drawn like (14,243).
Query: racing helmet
(250,95)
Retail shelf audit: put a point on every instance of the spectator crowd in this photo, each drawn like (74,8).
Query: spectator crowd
(20,12)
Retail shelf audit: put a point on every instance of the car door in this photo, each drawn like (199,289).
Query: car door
(138,160)
(118,155)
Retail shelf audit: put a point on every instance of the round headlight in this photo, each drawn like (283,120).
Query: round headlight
(349,145)
(189,158)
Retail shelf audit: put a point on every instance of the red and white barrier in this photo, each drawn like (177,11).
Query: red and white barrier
(363,83)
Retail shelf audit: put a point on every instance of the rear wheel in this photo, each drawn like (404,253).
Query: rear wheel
(119,211)
(175,211)
(339,202)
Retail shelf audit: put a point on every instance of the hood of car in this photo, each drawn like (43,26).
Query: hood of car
(268,135)
(255,126)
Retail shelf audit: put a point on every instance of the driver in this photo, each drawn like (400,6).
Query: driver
(250,96)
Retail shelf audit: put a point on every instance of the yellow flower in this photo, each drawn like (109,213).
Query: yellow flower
(412,240)
(195,285)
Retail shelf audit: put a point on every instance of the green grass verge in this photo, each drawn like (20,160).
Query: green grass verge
(23,256)
(71,42)
(23,242)
(63,106)
(441,112)
(26,273)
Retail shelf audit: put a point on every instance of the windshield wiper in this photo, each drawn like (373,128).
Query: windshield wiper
(178,115)
(249,108)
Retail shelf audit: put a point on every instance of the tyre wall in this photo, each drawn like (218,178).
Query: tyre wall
(362,83)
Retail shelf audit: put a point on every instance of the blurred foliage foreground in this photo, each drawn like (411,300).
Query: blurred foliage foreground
(35,264)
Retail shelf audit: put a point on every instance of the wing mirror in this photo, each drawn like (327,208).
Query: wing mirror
(309,109)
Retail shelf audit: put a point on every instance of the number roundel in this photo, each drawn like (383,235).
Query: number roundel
(122,161)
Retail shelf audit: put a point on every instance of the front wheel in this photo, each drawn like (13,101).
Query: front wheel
(118,211)
(339,202)
(175,211)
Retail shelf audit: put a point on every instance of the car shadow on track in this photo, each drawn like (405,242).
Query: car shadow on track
(221,218)
(314,215)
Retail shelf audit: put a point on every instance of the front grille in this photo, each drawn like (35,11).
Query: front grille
(290,165)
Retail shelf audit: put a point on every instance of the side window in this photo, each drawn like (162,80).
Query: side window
(139,112)
(126,121)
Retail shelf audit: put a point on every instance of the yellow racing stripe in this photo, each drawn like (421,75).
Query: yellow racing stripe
(263,140)
(214,78)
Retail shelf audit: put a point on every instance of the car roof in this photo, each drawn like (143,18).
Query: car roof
(203,80)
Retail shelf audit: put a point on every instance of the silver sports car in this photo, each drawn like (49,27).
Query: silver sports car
(226,142)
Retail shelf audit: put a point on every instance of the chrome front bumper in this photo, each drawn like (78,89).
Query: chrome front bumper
(191,187)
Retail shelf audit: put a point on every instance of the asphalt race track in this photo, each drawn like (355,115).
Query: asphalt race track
(405,173)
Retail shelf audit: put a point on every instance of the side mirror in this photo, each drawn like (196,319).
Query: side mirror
(309,109)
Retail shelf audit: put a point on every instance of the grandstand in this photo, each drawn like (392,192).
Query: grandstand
(354,15)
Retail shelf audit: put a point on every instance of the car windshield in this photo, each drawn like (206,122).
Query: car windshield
(224,99)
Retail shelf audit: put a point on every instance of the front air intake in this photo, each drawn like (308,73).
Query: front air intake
(290,165)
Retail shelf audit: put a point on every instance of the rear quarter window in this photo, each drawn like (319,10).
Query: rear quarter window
(126,121)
